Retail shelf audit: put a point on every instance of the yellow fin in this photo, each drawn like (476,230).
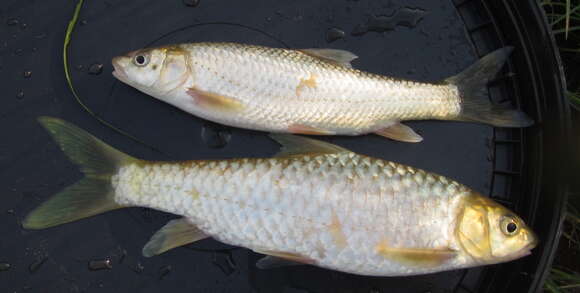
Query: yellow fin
(416,257)
(400,132)
(305,129)
(93,194)
(335,56)
(175,233)
(293,145)
(280,258)
(214,101)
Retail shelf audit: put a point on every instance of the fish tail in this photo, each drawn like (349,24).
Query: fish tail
(475,104)
(91,195)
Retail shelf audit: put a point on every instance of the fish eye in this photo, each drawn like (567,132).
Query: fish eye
(509,226)
(140,60)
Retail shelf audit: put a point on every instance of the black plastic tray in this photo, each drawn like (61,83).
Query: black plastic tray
(517,167)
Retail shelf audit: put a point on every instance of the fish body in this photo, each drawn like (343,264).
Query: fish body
(309,91)
(313,203)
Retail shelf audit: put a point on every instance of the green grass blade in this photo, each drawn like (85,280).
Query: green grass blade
(67,37)
(567,17)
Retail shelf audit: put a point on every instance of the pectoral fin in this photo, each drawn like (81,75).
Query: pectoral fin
(339,57)
(416,257)
(278,259)
(214,101)
(400,132)
(175,233)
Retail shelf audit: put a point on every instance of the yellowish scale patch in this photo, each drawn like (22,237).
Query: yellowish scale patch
(306,83)
(194,193)
(335,229)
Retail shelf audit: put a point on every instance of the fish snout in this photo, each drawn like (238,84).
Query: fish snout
(119,71)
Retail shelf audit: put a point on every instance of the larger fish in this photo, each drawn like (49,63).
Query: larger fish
(313,203)
(310,91)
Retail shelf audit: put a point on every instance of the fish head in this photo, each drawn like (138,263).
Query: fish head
(154,70)
(491,233)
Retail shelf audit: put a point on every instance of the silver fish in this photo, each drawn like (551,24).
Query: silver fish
(313,203)
(308,91)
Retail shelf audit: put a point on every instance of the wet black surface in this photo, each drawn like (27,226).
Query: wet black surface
(32,168)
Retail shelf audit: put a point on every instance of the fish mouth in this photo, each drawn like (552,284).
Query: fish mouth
(119,72)
(527,250)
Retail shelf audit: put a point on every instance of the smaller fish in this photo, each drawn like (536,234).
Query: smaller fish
(309,91)
(313,203)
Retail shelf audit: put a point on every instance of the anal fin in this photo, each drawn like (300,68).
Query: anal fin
(400,132)
(175,233)
(305,129)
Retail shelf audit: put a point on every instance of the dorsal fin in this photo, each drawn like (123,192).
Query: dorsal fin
(293,145)
(335,56)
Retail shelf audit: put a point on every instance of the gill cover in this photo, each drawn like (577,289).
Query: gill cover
(473,231)
(175,68)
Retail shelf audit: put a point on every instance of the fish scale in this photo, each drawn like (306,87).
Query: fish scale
(360,193)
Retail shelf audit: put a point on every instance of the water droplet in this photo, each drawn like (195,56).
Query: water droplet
(27,74)
(10,211)
(139,268)
(12,21)
(4,266)
(408,17)
(100,264)
(215,136)
(79,67)
(490,157)
(225,262)
(35,266)
(164,271)
(191,3)
(96,68)
(268,19)
(40,36)
(334,34)
(84,22)
(122,254)
(20,94)
(23,26)
(18,52)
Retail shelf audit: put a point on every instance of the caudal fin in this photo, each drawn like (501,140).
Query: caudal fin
(91,195)
(475,104)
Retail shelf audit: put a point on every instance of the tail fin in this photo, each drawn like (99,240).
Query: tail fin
(91,195)
(472,86)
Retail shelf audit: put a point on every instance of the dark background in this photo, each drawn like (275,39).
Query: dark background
(32,168)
